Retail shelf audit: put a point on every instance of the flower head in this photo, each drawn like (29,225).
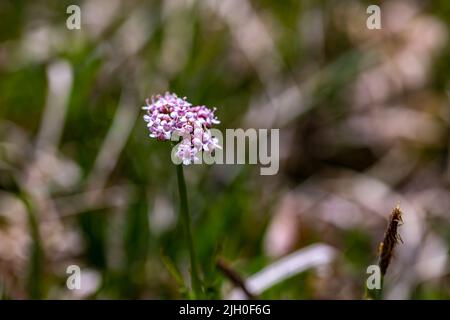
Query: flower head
(168,115)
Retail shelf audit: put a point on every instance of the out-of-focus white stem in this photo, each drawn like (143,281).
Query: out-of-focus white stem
(312,256)
(59,77)
(116,138)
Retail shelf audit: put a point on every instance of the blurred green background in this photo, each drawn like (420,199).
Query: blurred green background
(364,124)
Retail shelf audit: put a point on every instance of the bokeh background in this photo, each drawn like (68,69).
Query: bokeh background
(364,124)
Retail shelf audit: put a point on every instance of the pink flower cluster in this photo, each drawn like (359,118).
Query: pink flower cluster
(168,115)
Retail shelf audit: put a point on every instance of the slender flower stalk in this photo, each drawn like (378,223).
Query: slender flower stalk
(185,215)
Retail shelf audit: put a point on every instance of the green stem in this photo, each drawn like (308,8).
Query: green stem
(35,275)
(374,294)
(185,215)
(379,293)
